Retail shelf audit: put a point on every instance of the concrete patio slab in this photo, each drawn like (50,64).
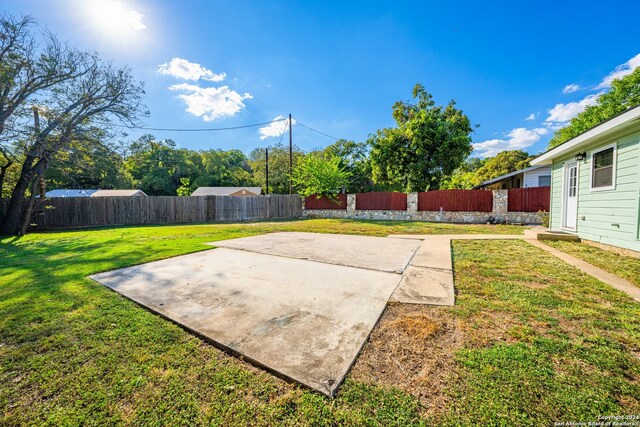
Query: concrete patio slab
(302,320)
(373,253)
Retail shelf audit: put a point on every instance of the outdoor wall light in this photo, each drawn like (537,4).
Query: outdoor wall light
(580,156)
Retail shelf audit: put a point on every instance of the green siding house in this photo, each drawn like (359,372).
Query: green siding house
(595,182)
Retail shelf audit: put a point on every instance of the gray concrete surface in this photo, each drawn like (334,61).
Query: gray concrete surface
(302,320)
(434,252)
(421,285)
(373,253)
(429,277)
(459,236)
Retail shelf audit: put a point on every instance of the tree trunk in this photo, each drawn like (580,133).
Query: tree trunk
(13,219)
(3,172)
(26,218)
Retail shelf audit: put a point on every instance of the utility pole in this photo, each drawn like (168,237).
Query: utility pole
(267,168)
(290,156)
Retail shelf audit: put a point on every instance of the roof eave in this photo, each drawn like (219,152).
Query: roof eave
(616,124)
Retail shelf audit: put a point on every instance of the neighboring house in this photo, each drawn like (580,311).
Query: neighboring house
(534,176)
(227,191)
(118,193)
(595,184)
(70,193)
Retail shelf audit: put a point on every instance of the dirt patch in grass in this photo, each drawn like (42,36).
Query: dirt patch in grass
(412,349)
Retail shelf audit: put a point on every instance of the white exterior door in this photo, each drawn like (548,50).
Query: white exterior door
(570,196)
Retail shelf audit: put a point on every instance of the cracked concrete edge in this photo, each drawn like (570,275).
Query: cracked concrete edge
(312,259)
(418,280)
(330,392)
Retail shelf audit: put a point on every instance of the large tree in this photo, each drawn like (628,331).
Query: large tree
(155,166)
(354,159)
(503,163)
(278,167)
(475,171)
(465,176)
(159,168)
(624,94)
(82,98)
(83,165)
(429,143)
(224,168)
(320,174)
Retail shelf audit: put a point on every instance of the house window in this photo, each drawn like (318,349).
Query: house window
(573,182)
(544,181)
(602,169)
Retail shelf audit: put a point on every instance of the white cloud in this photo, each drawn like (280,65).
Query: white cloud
(183,69)
(518,139)
(559,116)
(275,129)
(135,21)
(211,103)
(570,88)
(620,71)
(562,113)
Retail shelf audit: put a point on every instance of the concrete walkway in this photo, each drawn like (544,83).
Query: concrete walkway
(434,257)
(428,279)
(459,236)
(604,276)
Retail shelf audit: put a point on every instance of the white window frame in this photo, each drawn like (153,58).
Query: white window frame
(614,167)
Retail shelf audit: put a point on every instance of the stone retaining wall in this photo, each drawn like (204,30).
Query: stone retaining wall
(499,214)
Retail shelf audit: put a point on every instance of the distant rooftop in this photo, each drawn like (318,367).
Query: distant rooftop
(226,191)
(507,175)
(70,193)
(118,193)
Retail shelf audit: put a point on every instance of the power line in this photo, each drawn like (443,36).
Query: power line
(198,130)
(284,128)
(314,130)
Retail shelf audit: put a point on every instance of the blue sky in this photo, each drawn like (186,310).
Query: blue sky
(338,67)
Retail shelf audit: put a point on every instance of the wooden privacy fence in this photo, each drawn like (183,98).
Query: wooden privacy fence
(456,200)
(529,199)
(381,200)
(73,212)
(313,202)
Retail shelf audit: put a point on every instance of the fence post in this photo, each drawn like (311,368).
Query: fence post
(351,204)
(412,203)
(500,203)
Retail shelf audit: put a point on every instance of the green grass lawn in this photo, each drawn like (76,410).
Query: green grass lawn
(542,342)
(626,267)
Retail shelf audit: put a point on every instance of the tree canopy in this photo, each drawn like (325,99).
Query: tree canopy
(428,143)
(278,167)
(503,163)
(624,94)
(320,174)
(53,97)
(354,158)
(475,171)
